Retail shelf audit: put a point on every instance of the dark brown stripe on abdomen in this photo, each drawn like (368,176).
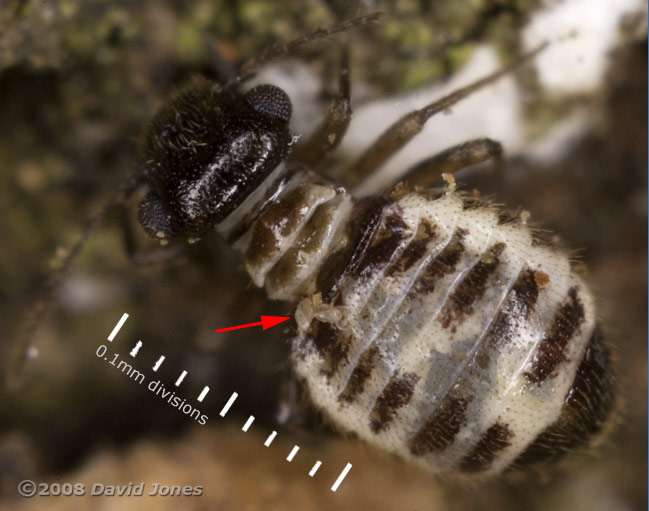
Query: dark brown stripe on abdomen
(415,250)
(331,344)
(494,440)
(471,288)
(519,304)
(439,431)
(359,375)
(396,394)
(443,264)
(551,350)
(382,247)
(586,408)
(364,221)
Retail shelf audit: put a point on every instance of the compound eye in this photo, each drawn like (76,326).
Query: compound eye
(154,217)
(270,101)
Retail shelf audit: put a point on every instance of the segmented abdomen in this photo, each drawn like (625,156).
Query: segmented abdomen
(462,344)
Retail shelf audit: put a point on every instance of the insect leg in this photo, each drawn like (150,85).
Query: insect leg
(328,135)
(404,129)
(449,161)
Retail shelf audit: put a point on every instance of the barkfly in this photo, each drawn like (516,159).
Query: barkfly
(428,322)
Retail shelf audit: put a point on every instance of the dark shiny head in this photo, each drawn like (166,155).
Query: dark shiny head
(207,150)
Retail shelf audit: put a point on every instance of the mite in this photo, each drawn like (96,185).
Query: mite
(427,322)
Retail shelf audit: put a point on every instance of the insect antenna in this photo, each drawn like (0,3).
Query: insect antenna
(45,299)
(249,68)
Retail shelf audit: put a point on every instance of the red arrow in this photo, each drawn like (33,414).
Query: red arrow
(266,322)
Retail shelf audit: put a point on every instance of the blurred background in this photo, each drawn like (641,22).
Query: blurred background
(79,80)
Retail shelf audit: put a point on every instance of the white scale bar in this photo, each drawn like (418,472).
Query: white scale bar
(248,423)
(341,476)
(229,404)
(159,363)
(203,393)
(181,378)
(119,325)
(315,468)
(270,438)
(136,349)
(292,454)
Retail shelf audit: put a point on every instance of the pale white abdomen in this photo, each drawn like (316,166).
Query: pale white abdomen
(439,330)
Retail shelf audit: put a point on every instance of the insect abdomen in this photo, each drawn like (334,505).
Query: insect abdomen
(456,342)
